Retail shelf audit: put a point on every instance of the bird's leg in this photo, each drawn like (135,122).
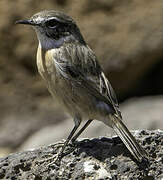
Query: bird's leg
(56,158)
(73,139)
(81,130)
(77,124)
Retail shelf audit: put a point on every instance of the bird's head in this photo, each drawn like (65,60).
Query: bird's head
(53,28)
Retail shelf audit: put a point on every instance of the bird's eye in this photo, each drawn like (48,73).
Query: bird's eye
(51,23)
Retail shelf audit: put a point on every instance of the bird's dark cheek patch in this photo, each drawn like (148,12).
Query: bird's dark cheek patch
(52,34)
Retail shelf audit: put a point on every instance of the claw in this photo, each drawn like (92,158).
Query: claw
(58,145)
(55,160)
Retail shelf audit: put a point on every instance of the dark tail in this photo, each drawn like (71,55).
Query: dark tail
(128,139)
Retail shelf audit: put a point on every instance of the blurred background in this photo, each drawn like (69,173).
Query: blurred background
(127,37)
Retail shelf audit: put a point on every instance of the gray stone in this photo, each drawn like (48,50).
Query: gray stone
(101,158)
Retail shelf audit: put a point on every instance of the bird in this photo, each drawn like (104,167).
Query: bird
(75,78)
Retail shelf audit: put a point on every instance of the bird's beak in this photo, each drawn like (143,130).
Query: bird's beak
(26,21)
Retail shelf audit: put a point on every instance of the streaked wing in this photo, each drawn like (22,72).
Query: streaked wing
(80,64)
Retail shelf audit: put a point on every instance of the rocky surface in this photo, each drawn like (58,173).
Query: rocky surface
(103,158)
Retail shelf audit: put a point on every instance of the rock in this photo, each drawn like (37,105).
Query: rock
(101,158)
(138,113)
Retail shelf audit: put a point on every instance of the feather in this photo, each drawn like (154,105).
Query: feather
(128,139)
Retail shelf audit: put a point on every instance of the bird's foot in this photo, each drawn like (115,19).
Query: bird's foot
(55,160)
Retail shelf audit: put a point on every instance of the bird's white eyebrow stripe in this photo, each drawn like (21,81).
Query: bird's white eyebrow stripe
(39,19)
(52,18)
